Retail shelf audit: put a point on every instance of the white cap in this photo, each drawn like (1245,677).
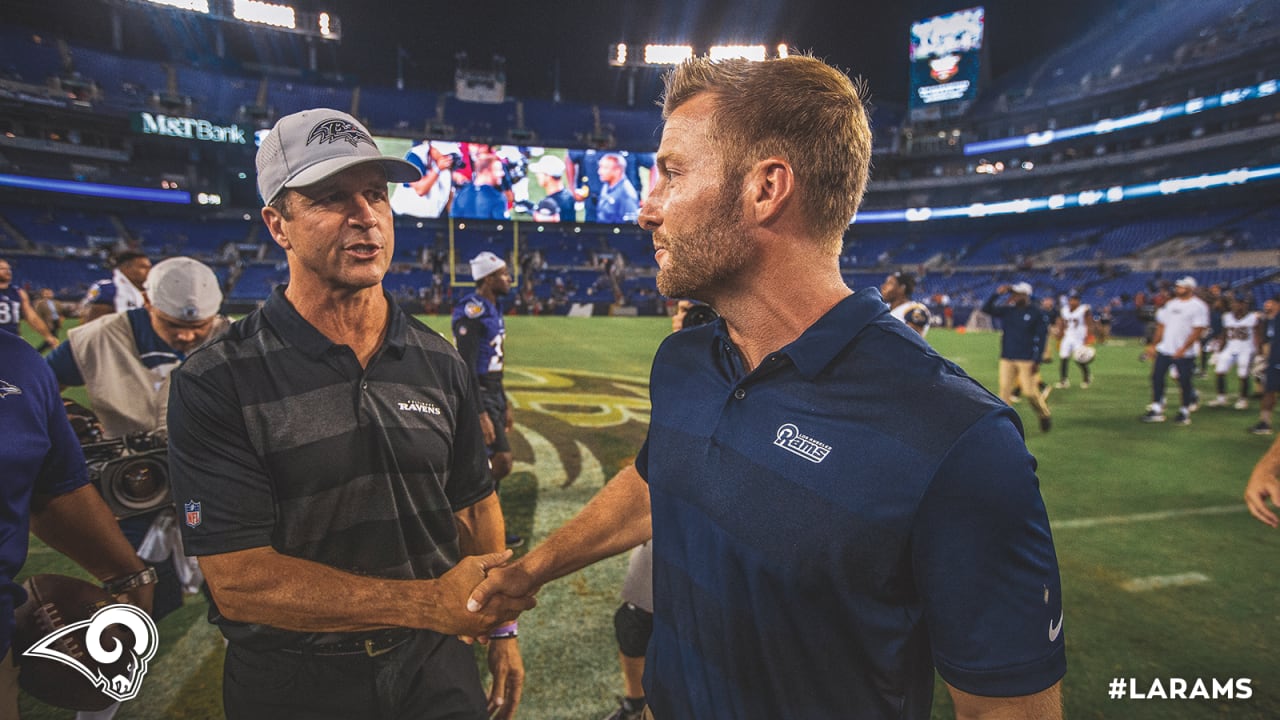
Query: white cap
(484,265)
(548,165)
(184,289)
(1022,288)
(1186,281)
(313,145)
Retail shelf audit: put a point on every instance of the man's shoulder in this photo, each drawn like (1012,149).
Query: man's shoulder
(111,324)
(242,338)
(422,335)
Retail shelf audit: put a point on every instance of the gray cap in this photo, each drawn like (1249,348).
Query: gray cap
(313,145)
(184,289)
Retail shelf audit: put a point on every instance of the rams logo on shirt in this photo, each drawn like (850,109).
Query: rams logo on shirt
(474,309)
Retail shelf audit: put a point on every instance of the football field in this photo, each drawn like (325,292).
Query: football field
(1167,579)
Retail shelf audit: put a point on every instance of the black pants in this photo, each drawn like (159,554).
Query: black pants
(430,677)
(1186,372)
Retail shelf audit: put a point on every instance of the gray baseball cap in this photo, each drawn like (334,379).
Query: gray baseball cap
(313,145)
(184,289)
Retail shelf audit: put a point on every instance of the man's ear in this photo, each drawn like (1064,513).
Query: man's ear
(770,186)
(275,225)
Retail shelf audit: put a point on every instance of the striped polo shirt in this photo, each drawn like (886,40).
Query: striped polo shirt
(833,525)
(278,437)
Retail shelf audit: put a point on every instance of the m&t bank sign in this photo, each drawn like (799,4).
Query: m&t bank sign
(187,128)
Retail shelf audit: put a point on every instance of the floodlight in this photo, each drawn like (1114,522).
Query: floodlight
(200,6)
(265,13)
(745,52)
(618,55)
(667,54)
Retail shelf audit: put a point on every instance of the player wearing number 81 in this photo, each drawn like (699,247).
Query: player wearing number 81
(480,332)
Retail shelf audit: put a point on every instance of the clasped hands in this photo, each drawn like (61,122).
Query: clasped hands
(483,592)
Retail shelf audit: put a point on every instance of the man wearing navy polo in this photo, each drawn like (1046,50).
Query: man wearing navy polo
(835,509)
(1025,329)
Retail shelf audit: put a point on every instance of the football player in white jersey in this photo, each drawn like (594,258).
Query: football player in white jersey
(1239,341)
(896,291)
(1073,326)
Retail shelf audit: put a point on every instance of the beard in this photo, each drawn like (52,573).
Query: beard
(709,254)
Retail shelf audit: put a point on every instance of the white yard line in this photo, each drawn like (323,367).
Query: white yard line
(1145,517)
(1159,582)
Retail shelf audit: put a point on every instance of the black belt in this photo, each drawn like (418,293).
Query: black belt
(373,645)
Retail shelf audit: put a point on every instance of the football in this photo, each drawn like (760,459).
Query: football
(1084,354)
(53,602)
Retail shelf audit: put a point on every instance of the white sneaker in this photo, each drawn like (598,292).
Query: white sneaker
(1084,386)
(1220,401)
(1241,404)
(1063,384)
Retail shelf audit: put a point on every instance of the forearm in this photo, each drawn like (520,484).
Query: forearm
(481,527)
(1044,705)
(1270,462)
(614,521)
(81,526)
(262,586)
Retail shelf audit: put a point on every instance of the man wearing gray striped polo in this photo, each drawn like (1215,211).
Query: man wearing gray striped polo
(330,469)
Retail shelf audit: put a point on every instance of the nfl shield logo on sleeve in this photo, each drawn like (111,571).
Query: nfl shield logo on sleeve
(192,509)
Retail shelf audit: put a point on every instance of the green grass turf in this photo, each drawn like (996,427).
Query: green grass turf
(576,430)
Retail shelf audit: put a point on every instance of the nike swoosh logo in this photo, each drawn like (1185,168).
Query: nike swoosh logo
(1054,632)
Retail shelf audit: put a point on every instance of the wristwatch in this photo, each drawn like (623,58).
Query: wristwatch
(145,576)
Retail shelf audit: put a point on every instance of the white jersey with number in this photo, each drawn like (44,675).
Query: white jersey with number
(1240,343)
(1075,329)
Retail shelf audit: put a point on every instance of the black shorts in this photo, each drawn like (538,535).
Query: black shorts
(1272,380)
(494,402)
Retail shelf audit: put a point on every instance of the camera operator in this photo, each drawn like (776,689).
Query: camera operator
(124,361)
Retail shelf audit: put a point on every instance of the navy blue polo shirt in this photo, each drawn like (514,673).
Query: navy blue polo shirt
(832,526)
(1025,328)
(39,454)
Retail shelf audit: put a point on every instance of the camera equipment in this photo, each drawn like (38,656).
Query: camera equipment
(131,473)
(699,315)
(457,162)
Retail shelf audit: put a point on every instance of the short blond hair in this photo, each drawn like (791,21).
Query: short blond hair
(798,108)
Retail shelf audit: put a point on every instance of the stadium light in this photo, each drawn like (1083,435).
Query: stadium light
(659,55)
(266,13)
(319,24)
(729,52)
(618,56)
(667,54)
(200,6)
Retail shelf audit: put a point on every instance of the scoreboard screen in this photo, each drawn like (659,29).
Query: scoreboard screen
(945,60)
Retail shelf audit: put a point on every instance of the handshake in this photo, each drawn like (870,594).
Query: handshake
(482,593)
